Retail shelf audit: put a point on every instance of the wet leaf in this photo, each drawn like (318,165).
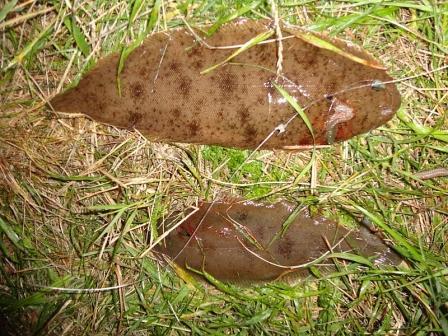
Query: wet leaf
(221,256)
(173,94)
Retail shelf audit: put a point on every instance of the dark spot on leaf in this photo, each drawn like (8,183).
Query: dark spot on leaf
(198,65)
(260,232)
(243,113)
(193,128)
(183,232)
(241,216)
(196,52)
(285,247)
(331,88)
(304,141)
(176,112)
(101,107)
(265,55)
(250,133)
(199,103)
(137,90)
(226,84)
(184,86)
(364,119)
(134,119)
(174,66)
(144,72)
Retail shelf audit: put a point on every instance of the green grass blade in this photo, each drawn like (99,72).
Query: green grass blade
(421,130)
(136,7)
(324,44)
(338,24)
(108,207)
(10,233)
(8,7)
(111,225)
(240,12)
(78,35)
(30,47)
(56,196)
(36,299)
(351,257)
(259,318)
(124,231)
(296,107)
(408,250)
(155,12)
(225,287)
(80,39)
(249,44)
(291,218)
(126,51)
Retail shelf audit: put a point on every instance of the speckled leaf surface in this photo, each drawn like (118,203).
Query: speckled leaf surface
(165,96)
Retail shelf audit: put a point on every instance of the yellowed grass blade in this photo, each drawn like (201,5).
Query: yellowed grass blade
(324,44)
(249,44)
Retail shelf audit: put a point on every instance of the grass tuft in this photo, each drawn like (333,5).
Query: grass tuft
(80,201)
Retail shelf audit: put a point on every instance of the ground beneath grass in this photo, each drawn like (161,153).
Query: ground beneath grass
(80,201)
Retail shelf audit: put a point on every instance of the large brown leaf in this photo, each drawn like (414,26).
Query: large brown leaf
(342,90)
(242,241)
